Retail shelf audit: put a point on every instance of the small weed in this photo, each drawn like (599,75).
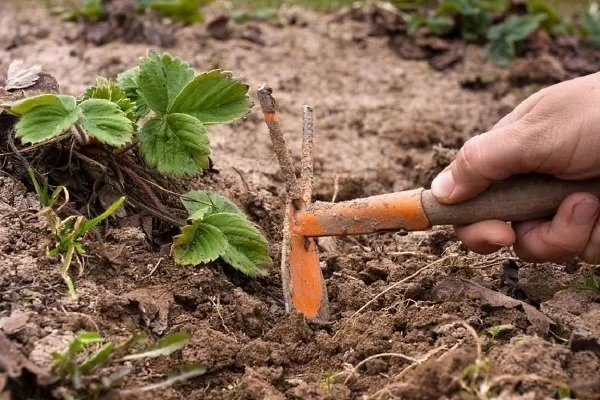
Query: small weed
(474,379)
(91,10)
(88,369)
(330,376)
(591,282)
(496,331)
(68,233)
(43,191)
(187,11)
(563,393)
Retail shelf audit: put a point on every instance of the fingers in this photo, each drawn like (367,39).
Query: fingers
(572,232)
(486,237)
(491,156)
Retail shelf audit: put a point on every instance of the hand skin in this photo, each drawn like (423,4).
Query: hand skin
(555,131)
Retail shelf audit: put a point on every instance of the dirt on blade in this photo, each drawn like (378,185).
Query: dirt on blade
(383,124)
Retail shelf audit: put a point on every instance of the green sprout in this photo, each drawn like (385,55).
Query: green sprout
(89,369)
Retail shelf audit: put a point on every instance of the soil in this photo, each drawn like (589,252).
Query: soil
(383,124)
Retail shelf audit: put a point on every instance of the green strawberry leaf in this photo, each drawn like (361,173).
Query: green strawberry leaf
(248,248)
(127,82)
(198,243)
(516,28)
(213,97)
(109,90)
(160,79)
(498,6)
(501,52)
(200,204)
(176,145)
(44,117)
(104,120)
(474,26)
(20,107)
(591,26)
(439,24)
(542,7)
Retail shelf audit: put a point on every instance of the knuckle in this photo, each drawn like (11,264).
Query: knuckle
(564,245)
(531,137)
(468,157)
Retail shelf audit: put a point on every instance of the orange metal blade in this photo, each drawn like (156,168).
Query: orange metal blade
(394,211)
(307,286)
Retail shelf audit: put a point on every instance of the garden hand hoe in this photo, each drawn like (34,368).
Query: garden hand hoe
(518,198)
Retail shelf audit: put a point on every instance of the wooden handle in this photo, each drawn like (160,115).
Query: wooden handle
(518,198)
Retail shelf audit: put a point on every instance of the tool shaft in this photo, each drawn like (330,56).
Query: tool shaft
(518,198)
(393,211)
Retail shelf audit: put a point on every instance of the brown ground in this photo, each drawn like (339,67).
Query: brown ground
(378,120)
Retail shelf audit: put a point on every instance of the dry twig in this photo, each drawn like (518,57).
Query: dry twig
(280,148)
(308,158)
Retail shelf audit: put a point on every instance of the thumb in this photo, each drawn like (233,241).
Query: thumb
(483,159)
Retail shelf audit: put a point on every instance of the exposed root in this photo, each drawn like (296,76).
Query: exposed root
(354,370)
(397,385)
(217,306)
(153,269)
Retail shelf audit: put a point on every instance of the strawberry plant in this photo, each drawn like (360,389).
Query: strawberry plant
(591,24)
(218,228)
(471,17)
(473,20)
(174,139)
(161,108)
(506,37)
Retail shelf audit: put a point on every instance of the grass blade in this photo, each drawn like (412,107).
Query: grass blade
(163,347)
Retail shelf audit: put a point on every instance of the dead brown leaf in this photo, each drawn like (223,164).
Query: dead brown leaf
(153,305)
(458,289)
(15,322)
(12,362)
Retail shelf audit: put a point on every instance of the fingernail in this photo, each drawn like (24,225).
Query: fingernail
(443,185)
(585,211)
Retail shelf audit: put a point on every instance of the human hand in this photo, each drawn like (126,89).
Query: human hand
(555,131)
